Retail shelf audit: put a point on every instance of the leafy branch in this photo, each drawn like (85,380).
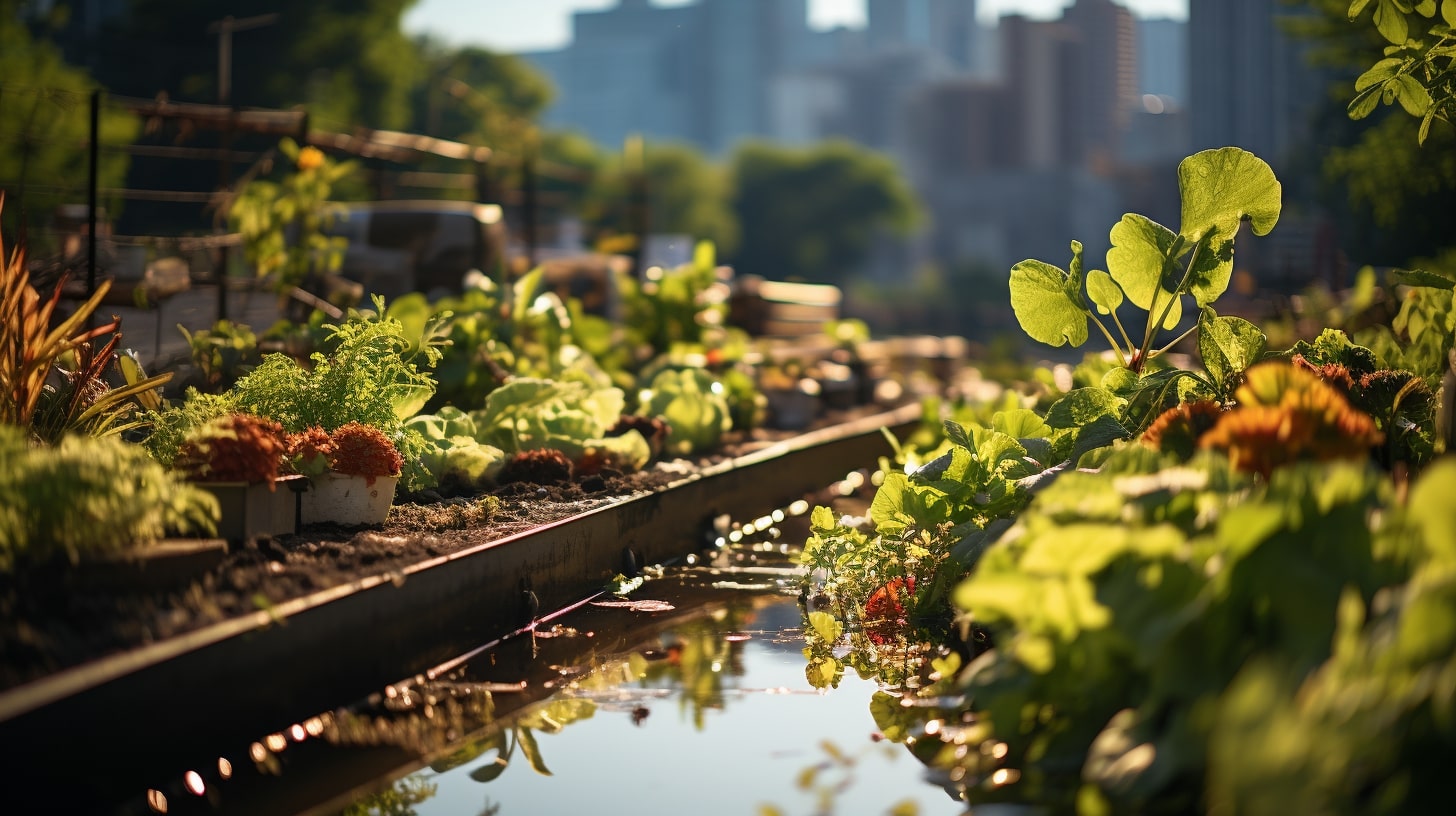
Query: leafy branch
(1417,72)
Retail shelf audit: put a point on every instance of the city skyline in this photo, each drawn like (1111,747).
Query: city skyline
(534,25)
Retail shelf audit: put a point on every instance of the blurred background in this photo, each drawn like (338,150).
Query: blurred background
(908,152)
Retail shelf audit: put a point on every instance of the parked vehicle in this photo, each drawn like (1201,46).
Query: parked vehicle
(427,246)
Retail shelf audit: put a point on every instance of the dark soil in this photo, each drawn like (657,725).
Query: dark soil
(59,618)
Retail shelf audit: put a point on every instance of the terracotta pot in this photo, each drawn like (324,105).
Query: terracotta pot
(342,499)
(251,509)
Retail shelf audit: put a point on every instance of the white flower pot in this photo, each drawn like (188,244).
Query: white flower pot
(344,499)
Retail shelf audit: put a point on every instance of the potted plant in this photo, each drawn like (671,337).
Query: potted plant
(354,472)
(238,458)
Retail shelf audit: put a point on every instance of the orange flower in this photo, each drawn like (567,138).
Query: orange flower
(1287,414)
(1178,429)
(309,159)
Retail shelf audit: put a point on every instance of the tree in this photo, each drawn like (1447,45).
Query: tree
(686,195)
(44,129)
(814,213)
(348,61)
(1388,193)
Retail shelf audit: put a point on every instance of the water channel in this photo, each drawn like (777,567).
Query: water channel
(690,696)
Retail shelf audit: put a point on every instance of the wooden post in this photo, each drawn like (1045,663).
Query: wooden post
(528,204)
(92,193)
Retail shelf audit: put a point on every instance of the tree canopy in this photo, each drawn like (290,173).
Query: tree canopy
(815,213)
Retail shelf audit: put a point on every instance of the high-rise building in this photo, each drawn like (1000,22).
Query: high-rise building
(1103,82)
(698,73)
(947,27)
(1162,57)
(1038,70)
(1249,85)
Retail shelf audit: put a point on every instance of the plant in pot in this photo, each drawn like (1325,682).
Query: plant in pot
(354,472)
(238,458)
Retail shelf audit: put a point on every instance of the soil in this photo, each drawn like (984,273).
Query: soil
(55,619)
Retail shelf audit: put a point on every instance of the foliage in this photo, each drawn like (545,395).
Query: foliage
(283,224)
(457,459)
(88,497)
(813,214)
(39,390)
(223,353)
(1419,69)
(693,405)
(309,451)
(44,127)
(1155,268)
(233,448)
(367,376)
(349,63)
(571,416)
(363,450)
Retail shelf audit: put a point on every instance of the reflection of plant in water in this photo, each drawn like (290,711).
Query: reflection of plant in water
(397,800)
(833,777)
(696,658)
(550,718)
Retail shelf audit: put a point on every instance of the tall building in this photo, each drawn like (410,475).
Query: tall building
(1039,72)
(697,73)
(1162,57)
(947,27)
(1103,83)
(1249,85)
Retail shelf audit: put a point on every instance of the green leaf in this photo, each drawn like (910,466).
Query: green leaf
(1020,423)
(1448,12)
(1222,187)
(1412,95)
(1139,254)
(1081,406)
(1103,291)
(1426,8)
(1357,6)
(1043,307)
(826,626)
(1420,277)
(1390,22)
(1228,345)
(1379,72)
(1099,433)
(1364,103)
(532,751)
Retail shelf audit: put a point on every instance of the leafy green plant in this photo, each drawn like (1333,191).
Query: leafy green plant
(1155,268)
(223,353)
(1419,68)
(570,416)
(89,496)
(283,223)
(368,375)
(694,406)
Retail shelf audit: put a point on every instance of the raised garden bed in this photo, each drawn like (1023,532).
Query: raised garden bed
(269,638)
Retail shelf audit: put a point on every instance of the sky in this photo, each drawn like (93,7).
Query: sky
(530,25)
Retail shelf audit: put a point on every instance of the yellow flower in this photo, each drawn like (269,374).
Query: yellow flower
(309,159)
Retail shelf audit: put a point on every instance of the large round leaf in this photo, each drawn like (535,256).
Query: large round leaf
(1221,187)
(1140,248)
(1044,306)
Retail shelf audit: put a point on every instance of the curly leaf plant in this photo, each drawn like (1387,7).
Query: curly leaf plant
(1155,269)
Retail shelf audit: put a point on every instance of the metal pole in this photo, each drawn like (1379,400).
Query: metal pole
(92,183)
(528,204)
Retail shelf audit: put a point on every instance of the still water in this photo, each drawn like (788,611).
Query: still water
(711,714)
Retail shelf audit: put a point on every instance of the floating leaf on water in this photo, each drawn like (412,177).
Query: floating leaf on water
(637,606)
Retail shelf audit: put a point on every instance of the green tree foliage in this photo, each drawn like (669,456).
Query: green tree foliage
(44,127)
(686,194)
(348,61)
(476,95)
(1388,192)
(814,214)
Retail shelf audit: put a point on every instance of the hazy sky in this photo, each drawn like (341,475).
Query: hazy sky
(525,25)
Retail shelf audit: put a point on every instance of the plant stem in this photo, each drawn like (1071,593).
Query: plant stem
(1121,358)
(1120,330)
(1176,341)
(1177,291)
(1151,330)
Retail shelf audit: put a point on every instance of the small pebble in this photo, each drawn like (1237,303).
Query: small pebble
(542,492)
